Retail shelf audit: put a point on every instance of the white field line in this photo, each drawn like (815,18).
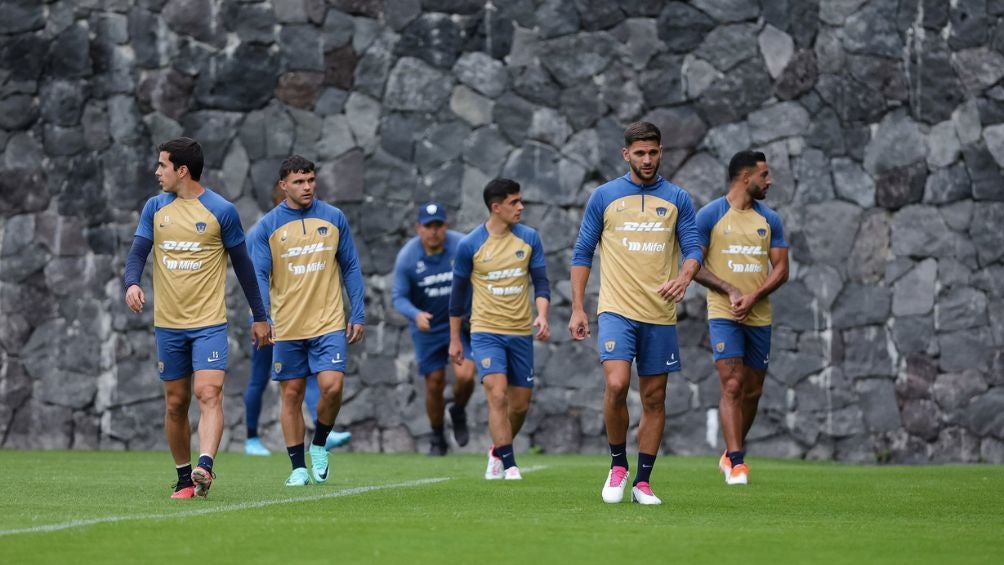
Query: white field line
(216,509)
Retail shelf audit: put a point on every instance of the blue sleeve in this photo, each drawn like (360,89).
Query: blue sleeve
(401,291)
(244,269)
(463,263)
(136,260)
(686,228)
(145,227)
(460,295)
(706,220)
(352,276)
(776,230)
(589,232)
(538,268)
(261,257)
(230,226)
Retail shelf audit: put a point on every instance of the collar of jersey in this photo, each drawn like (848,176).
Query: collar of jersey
(653,186)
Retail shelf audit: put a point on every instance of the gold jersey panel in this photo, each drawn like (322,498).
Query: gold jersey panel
(500,278)
(739,253)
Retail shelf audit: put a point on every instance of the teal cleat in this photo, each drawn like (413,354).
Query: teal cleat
(336,439)
(318,463)
(254,446)
(298,478)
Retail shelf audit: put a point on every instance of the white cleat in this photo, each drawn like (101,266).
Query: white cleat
(738,475)
(642,494)
(494,471)
(513,474)
(613,489)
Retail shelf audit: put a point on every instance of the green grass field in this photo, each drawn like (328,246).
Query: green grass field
(91,507)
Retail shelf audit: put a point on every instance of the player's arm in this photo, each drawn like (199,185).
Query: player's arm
(582,264)
(463,265)
(541,288)
(401,294)
(693,256)
(706,278)
(777,277)
(135,262)
(261,333)
(348,262)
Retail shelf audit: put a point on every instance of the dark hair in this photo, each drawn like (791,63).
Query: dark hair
(497,190)
(185,151)
(744,160)
(641,131)
(295,164)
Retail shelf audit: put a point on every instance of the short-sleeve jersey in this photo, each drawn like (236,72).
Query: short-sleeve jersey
(422,282)
(499,269)
(190,238)
(641,231)
(738,244)
(301,258)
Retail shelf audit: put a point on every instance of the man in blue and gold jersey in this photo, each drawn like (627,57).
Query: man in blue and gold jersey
(303,256)
(191,230)
(641,222)
(423,276)
(747,259)
(499,259)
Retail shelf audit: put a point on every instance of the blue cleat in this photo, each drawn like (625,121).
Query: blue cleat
(298,478)
(254,446)
(336,439)
(318,463)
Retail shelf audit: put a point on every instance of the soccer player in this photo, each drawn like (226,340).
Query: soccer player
(303,256)
(640,220)
(423,275)
(191,230)
(499,259)
(747,259)
(261,368)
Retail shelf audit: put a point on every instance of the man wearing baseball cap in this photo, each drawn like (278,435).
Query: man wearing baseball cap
(423,276)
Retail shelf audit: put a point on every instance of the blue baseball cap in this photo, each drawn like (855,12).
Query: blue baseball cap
(431,212)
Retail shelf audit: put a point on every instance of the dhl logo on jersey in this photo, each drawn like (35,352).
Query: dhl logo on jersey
(300,251)
(171,245)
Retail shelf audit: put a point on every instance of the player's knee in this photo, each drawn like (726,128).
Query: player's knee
(616,390)
(654,401)
(177,407)
(292,395)
(732,388)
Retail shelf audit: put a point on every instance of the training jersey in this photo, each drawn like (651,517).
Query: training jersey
(302,258)
(190,237)
(738,244)
(641,231)
(498,267)
(422,282)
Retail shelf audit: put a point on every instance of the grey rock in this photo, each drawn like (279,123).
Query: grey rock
(299,89)
(852,183)
(955,445)
(834,225)
(978,68)
(996,312)
(486,149)
(336,137)
(62,140)
(194,18)
(968,23)
(966,118)
(20,16)
(872,31)
(18,112)
(866,263)
(860,305)
(534,83)
(549,127)
(947,185)
(682,126)
(728,45)
(168,92)
(921,418)
(897,143)
(901,186)
(867,352)
(69,53)
(853,101)
(343,177)
(825,283)
(728,11)
(994,138)
(300,48)
(399,13)
(960,308)
(24,57)
(575,58)
(984,172)
(682,27)
(513,114)
(836,11)
(124,120)
(914,334)
(242,81)
(444,184)
(598,14)
(991,450)
(557,17)
(161,129)
(441,143)
(829,51)
(878,403)
(736,94)
(966,349)
(473,108)
(697,76)
(291,12)
(881,75)
(331,102)
(986,414)
(432,37)
(703,177)
(953,392)
(985,232)
(795,307)
(780,120)
(399,131)
(49,371)
(812,172)
(938,89)
(582,105)
(364,119)
(620,91)
(791,367)
(23,151)
(537,168)
(641,39)
(913,294)
(798,76)
(213,130)
(414,85)
(63,102)
(728,139)
(777,49)
(252,22)
(919,231)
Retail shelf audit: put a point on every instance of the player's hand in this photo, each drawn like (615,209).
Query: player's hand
(424,321)
(261,334)
(355,333)
(456,351)
(674,289)
(135,299)
(578,325)
(734,297)
(741,309)
(543,328)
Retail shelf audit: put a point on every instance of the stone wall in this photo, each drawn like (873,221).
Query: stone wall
(883,121)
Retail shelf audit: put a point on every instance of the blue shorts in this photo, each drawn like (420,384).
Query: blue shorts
(300,358)
(432,349)
(652,346)
(730,339)
(182,352)
(511,355)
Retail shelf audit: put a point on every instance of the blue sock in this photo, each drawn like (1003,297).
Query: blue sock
(296,456)
(321,432)
(206,462)
(645,464)
(506,453)
(252,433)
(184,476)
(618,455)
(736,457)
